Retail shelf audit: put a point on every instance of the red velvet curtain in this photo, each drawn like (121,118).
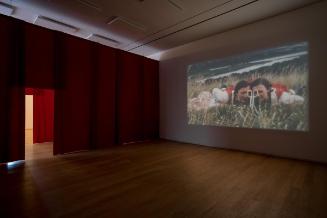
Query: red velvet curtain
(39,57)
(137,98)
(43,116)
(12,107)
(150,99)
(103,101)
(73,100)
(129,98)
(103,96)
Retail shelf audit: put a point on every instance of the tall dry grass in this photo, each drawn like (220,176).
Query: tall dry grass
(282,117)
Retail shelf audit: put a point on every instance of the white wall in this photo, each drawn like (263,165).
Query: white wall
(305,24)
(28,111)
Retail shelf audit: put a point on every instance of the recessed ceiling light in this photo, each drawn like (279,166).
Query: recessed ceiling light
(54,24)
(6,9)
(102,39)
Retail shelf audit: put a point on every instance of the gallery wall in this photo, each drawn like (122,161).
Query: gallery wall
(28,111)
(303,24)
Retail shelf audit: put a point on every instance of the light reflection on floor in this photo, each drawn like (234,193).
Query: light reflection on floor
(39,151)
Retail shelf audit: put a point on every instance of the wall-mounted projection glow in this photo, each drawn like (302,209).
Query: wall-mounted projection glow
(262,89)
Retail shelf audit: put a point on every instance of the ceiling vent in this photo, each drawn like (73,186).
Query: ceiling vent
(175,3)
(126,28)
(103,39)
(89,4)
(6,9)
(55,25)
(118,20)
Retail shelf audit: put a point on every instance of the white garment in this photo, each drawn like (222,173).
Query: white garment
(290,98)
(220,95)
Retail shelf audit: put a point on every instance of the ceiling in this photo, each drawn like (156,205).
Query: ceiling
(145,27)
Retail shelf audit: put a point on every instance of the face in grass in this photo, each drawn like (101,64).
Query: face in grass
(262,92)
(242,95)
(261,89)
(241,92)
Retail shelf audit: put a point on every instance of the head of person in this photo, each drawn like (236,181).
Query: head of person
(241,92)
(261,88)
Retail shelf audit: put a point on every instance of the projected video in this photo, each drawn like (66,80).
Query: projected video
(262,89)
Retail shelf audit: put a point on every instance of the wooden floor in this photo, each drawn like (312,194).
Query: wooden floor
(164,179)
(38,150)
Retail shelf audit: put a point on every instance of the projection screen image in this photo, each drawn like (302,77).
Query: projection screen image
(263,89)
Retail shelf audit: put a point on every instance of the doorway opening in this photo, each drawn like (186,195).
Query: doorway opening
(39,123)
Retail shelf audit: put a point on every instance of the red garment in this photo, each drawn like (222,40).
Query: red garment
(279,89)
(230,90)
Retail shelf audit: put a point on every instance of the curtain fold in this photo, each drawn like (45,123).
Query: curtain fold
(150,99)
(39,57)
(12,98)
(73,100)
(103,105)
(137,98)
(129,103)
(43,116)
